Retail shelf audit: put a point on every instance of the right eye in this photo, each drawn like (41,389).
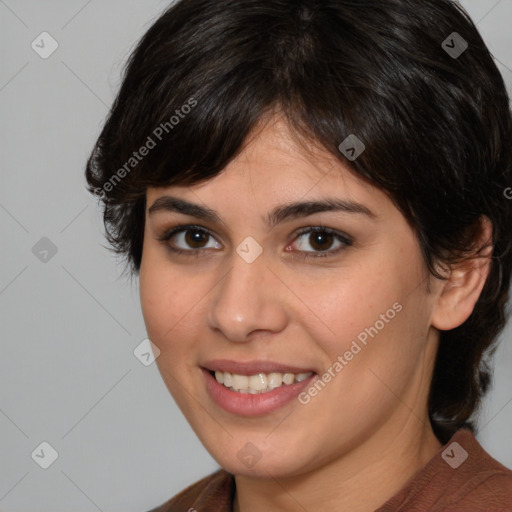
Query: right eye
(187,239)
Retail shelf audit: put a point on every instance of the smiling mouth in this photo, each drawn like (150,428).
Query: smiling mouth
(258,383)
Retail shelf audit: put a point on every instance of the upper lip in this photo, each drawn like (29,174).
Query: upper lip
(252,367)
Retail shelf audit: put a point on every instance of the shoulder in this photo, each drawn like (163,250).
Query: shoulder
(489,490)
(462,476)
(485,483)
(213,493)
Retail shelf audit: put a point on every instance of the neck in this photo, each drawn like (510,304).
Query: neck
(343,483)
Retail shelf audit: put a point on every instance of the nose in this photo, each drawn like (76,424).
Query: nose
(248,298)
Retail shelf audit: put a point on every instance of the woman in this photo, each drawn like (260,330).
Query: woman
(313,194)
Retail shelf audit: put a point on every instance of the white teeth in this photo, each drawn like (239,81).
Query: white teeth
(227,380)
(240,382)
(288,378)
(275,380)
(259,383)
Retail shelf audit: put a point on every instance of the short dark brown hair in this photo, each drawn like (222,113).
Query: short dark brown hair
(436,127)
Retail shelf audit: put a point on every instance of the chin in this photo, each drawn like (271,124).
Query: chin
(279,461)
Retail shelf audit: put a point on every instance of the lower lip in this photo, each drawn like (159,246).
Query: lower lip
(247,404)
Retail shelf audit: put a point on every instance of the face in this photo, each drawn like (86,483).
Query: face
(327,303)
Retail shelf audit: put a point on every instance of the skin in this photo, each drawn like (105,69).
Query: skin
(368,427)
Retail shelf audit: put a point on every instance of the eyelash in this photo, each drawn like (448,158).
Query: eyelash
(344,239)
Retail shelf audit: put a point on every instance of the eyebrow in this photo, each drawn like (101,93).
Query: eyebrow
(279,214)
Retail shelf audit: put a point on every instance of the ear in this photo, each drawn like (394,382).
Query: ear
(459,293)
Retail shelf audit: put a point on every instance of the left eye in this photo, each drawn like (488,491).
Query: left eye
(321,240)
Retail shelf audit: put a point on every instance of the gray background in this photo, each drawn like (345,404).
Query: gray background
(69,324)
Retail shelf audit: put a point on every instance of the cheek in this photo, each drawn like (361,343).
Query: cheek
(170,303)
(170,300)
(368,325)
(346,305)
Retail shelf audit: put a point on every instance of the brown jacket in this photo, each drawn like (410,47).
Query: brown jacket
(461,477)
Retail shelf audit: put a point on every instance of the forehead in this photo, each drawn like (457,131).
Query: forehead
(276,166)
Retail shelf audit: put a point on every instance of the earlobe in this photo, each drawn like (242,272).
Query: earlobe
(459,293)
